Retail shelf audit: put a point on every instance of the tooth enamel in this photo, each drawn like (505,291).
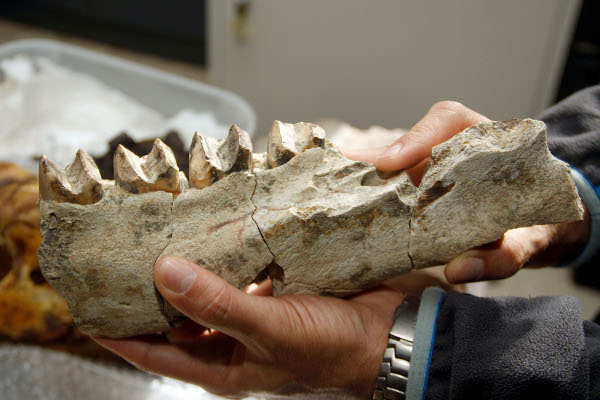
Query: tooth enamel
(205,166)
(53,181)
(160,168)
(153,172)
(287,140)
(183,183)
(80,182)
(128,171)
(211,159)
(235,153)
(85,179)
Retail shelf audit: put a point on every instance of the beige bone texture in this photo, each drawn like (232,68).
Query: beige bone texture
(302,214)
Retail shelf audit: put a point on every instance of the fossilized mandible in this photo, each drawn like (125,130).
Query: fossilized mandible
(303,214)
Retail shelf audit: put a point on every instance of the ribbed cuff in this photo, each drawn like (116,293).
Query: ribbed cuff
(423,343)
(591,198)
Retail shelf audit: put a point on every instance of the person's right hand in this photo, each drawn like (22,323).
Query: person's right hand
(534,246)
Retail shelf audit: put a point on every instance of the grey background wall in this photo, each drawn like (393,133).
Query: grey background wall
(385,62)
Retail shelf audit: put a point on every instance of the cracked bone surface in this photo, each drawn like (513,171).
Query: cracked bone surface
(490,178)
(312,220)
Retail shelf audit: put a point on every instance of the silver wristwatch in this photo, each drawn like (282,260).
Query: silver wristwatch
(393,373)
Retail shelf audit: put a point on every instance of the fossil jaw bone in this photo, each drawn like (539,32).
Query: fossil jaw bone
(80,182)
(317,223)
(287,140)
(155,171)
(211,159)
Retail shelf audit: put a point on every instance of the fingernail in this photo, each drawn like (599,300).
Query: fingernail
(176,276)
(471,269)
(391,152)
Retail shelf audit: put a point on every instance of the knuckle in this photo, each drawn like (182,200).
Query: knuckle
(448,106)
(514,258)
(416,136)
(216,306)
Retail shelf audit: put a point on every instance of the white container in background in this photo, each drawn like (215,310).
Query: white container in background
(165,93)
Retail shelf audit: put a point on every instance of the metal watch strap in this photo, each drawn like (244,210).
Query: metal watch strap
(393,373)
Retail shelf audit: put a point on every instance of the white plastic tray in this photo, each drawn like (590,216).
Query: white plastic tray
(162,91)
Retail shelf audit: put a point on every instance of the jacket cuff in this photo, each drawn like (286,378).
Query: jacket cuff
(590,195)
(423,342)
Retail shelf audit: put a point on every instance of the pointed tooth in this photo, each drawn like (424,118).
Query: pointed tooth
(160,168)
(278,150)
(312,135)
(287,140)
(205,165)
(80,182)
(235,153)
(128,171)
(84,178)
(54,184)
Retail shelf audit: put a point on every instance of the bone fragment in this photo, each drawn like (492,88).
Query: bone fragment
(78,183)
(484,181)
(287,140)
(105,274)
(155,171)
(332,231)
(213,227)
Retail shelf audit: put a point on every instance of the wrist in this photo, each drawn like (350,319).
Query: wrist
(574,236)
(393,371)
(423,333)
(586,232)
(567,241)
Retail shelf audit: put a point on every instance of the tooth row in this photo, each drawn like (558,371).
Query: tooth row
(287,140)
(80,182)
(156,171)
(212,159)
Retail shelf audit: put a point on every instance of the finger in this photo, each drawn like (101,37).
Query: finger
(208,365)
(381,294)
(265,288)
(444,120)
(210,301)
(500,259)
(189,331)
(369,155)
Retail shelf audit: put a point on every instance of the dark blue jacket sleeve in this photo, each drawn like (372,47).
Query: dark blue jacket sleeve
(574,131)
(513,348)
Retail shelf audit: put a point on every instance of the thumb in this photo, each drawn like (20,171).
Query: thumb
(209,300)
(369,155)
(444,120)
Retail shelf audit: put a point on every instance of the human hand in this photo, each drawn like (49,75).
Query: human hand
(283,346)
(534,246)
(413,149)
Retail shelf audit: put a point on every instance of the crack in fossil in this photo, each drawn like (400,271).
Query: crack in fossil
(159,297)
(258,228)
(412,210)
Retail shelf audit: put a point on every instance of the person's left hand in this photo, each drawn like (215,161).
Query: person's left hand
(276,346)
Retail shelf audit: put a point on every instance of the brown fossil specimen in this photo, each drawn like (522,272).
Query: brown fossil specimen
(30,309)
(313,220)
